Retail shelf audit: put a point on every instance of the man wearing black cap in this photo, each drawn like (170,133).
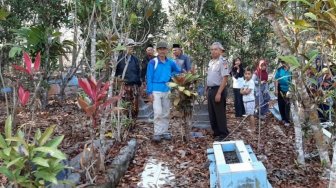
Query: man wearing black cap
(181,59)
(159,72)
(128,69)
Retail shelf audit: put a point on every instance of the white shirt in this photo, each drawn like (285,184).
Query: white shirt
(237,83)
(217,70)
(249,85)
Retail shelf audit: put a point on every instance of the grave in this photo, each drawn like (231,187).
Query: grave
(6,90)
(146,112)
(55,86)
(200,117)
(275,111)
(156,174)
(274,108)
(234,165)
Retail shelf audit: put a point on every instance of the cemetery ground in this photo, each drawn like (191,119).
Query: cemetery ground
(187,161)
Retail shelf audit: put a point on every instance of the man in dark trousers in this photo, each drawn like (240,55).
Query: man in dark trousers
(128,69)
(218,73)
(149,56)
(181,59)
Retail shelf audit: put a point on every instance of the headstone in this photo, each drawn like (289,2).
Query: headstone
(196,135)
(275,111)
(70,89)
(54,89)
(200,117)
(146,112)
(73,81)
(6,90)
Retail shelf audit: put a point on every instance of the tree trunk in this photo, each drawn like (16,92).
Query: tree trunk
(296,113)
(75,38)
(93,46)
(332,182)
(310,109)
(186,125)
(303,98)
(3,83)
(61,63)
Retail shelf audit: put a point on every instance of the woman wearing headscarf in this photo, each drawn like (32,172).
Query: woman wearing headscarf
(260,78)
(237,74)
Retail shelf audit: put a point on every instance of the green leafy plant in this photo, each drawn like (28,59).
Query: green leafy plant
(184,90)
(30,162)
(184,94)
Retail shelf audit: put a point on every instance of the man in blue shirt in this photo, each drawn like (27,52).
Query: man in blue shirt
(283,79)
(181,59)
(159,72)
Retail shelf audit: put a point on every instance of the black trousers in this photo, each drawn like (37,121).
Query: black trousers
(323,112)
(284,105)
(217,112)
(238,103)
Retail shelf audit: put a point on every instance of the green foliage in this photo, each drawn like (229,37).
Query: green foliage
(184,91)
(30,162)
(51,13)
(3,14)
(117,20)
(307,32)
(245,36)
(291,60)
(45,40)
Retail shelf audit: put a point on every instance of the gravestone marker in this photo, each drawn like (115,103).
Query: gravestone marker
(241,170)
(200,117)
(146,112)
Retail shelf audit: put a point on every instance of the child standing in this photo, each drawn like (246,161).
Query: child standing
(248,96)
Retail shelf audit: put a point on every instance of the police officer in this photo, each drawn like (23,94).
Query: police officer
(217,78)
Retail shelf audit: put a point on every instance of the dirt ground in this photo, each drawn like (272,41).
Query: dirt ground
(188,161)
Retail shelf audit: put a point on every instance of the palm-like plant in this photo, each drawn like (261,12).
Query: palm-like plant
(184,94)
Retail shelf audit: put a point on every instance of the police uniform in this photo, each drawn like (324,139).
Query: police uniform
(217,70)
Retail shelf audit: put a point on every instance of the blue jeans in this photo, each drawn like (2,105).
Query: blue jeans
(262,99)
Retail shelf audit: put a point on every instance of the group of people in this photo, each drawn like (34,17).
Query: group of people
(251,90)
(250,87)
(320,80)
(153,73)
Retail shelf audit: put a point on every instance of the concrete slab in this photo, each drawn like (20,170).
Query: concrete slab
(201,117)
(156,174)
(275,111)
(196,135)
(201,125)
(6,90)
(146,112)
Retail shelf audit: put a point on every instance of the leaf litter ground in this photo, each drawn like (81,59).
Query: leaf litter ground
(188,161)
